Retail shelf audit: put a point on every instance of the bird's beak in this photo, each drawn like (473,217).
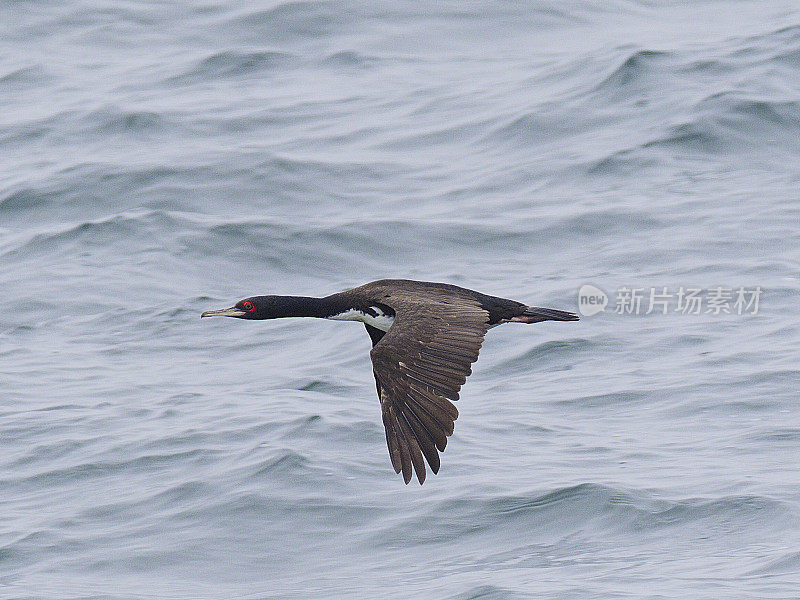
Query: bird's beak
(224,312)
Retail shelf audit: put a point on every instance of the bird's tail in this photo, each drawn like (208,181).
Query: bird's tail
(535,314)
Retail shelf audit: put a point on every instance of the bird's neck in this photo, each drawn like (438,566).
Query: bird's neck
(304,306)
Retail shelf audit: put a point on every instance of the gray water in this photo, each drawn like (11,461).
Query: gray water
(161,159)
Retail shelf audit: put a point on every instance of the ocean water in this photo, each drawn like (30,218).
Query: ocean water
(159,159)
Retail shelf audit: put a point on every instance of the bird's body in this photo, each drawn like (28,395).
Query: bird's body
(424,338)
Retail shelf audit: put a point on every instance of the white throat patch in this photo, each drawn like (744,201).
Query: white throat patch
(382,321)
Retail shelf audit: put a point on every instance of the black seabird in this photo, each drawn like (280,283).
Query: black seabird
(424,337)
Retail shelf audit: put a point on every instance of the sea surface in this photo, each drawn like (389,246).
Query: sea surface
(160,159)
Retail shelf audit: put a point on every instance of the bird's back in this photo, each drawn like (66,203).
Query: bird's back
(407,292)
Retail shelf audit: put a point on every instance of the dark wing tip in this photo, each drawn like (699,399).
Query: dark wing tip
(417,428)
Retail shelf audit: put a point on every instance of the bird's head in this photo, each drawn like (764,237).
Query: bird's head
(271,307)
(257,307)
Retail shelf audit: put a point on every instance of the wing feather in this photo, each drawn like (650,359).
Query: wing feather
(435,405)
(392,440)
(424,439)
(437,431)
(405,447)
(413,449)
(420,365)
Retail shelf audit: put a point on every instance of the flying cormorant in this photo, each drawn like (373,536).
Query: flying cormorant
(424,337)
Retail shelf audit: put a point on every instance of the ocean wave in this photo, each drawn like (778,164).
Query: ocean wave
(233,64)
(106,231)
(562,510)
(100,188)
(745,121)
(487,592)
(777,435)
(95,469)
(638,66)
(788,563)
(113,120)
(25,78)
(587,509)
(291,21)
(351,59)
(547,353)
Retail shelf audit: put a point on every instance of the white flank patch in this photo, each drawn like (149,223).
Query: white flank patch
(382,321)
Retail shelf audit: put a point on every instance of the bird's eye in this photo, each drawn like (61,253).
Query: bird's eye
(248,306)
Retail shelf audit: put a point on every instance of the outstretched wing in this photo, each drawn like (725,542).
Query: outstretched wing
(420,365)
